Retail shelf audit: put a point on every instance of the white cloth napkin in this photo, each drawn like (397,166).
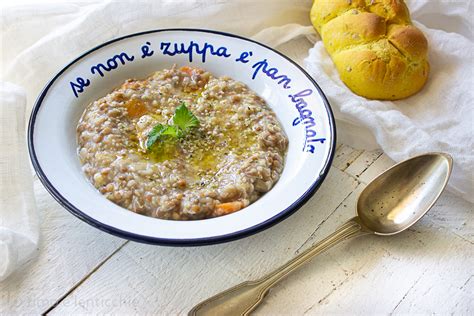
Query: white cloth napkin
(40,37)
(19,229)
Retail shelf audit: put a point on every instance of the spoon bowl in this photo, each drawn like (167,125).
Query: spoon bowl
(400,196)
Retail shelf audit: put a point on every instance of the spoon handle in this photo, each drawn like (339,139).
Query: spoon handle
(245,297)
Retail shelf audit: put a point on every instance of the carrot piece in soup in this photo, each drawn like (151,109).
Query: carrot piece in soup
(135,108)
(227,208)
(187,70)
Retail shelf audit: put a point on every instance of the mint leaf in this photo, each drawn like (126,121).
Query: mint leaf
(183,121)
(154,134)
(184,118)
(171,131)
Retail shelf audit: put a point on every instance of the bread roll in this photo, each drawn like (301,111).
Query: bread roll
(378,53)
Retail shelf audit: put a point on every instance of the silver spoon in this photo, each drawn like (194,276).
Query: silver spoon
(391,203)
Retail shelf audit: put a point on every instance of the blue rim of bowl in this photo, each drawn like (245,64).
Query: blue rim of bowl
(168,241)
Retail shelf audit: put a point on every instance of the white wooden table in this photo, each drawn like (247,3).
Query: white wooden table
(427,269)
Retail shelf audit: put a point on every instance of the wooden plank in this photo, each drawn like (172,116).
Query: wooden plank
(425,270)
(363,162)
(345,155)
(69,249)
(299,293)
(448,213)
(149,279)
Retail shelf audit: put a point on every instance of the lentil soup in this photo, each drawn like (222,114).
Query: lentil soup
(230,160)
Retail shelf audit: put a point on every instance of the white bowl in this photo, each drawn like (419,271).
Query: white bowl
(296,99)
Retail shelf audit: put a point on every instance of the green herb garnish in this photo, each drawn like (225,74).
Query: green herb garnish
(183,121)
(184,118)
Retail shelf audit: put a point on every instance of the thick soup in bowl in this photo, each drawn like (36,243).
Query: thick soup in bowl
(182,145)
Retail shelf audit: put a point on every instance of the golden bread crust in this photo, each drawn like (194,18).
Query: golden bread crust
(378,52)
